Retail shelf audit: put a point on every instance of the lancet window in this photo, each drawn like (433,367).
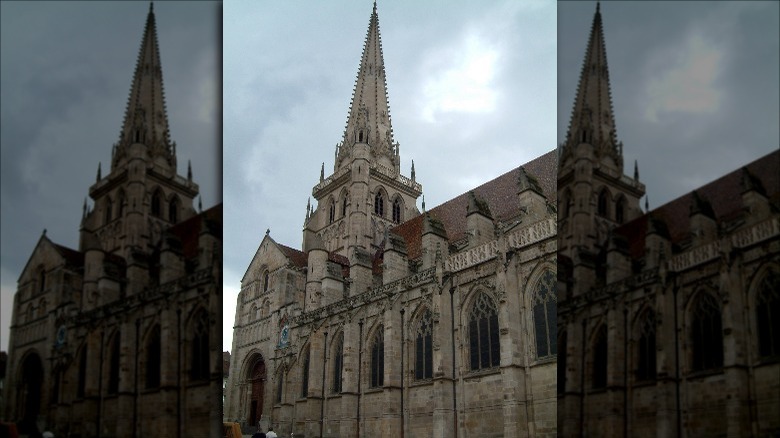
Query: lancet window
(484,349)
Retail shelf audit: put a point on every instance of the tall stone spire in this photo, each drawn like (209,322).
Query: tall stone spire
(369,112)
(146,119)
(592,118)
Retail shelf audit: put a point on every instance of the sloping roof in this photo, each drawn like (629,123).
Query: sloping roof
(188,231)
(73,258)
(724,194)
(298,258)
(500,195)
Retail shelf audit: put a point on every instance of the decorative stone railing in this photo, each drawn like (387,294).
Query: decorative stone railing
(391,175)
(406,283)
(739,239)
(188,282)
(327,181)
(519,238)
(645,277)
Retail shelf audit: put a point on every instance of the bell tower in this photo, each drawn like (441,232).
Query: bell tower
(142,194)
(594,194)
(366,194)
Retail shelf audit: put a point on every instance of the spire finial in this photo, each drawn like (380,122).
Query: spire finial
(98,173)
(151,7)
(189,170)
(322,172)
(413,175)
(423,203)
(598,7)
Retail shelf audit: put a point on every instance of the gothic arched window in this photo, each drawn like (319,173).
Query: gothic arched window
(397,211)
(81,383)
(279,386)
(265,281)
(620,210)
(113,366)
(561,385)
(378,359)
(156,201)
(768,315)
(338,362)
(545,311)
(566,204)
(706,333)
(305,373)
(199,354)
(344,207)
(120,200)
(603,203)
(484,348)
(379,204)
(41,279)
(646,354)
(599,371)
(332,211)
(153,357)
(173,210)
(423,351)
(109,207)
(252,314)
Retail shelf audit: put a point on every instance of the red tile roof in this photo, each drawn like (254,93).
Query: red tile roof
(72,257)
(188,231)
(500,194)
(724,194)
(299,258)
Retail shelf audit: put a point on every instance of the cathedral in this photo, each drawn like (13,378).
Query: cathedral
(668,318)
(120,337)
(390,321)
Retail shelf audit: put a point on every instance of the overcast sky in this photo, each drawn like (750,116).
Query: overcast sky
(471,89)
(66,74)
(694,85)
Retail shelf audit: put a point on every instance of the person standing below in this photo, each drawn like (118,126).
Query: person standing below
(270,433)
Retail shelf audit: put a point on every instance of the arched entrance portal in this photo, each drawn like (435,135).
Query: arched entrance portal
(257,377)
(29,394)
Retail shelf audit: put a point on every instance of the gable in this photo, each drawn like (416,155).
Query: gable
(50,255)
(270,256)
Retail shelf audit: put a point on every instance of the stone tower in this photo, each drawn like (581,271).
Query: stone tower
(594,195)
(366,194)
(142,194)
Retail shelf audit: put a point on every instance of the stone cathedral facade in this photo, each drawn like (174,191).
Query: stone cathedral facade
(391,322)
(669,320)
(120,337)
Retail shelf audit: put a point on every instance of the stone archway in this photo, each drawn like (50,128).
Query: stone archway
(29,395)
(256,377)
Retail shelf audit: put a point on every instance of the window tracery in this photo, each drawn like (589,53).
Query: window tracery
(423,368)
(484,348)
